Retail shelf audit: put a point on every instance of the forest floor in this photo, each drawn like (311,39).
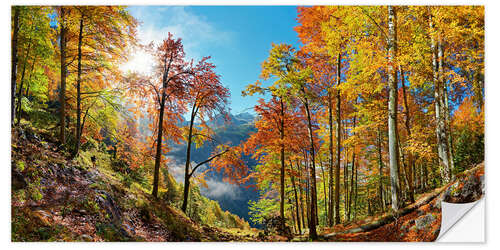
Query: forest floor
(57,198)
(421,224)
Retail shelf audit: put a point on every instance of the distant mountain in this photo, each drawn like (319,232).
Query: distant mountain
(230,197)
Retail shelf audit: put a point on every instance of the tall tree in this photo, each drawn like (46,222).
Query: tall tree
(207,98)
(15,31)
(393,104)
(63,13)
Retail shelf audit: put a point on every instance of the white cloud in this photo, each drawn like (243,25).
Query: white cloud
(157,21)
(217,189)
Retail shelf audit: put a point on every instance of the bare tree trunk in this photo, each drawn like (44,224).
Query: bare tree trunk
(338,134)
(442,143)
(188,158)
(324,189)
(20,94)
(393,103)
(296,200)
(330,169)
(308,191)
(355,192)
(301,193)
(282,159)
(446,112)
(405,175)
(314,217)
(62,90)
(353,166)
(450,135)
(78,87)
(13,76)
(159,138)
(411,164)
(19,97)
(346,184)
(380,169)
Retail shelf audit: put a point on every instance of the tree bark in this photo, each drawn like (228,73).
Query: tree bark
(13,76)
(78,89)
(312,223)
(353,166)
(158,155)
(19,95)
(188,158)
(411,164)
(330,169)
(296,200)
(393,102)
(62,90)
(442,142)
(301,193)
(380,169)
(324,189)
(338,134)
(282,159)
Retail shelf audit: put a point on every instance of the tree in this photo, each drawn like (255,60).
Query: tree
(63,40)
(393,104)
(104,36)
(15,32)
(207,98)
(162,95)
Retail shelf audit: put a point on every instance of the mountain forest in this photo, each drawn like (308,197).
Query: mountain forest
(360,130)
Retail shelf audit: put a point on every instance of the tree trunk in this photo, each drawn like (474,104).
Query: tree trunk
(338,134)
(158,155)
(13,76)
(353,166)
(380,169)
(188,159)
(312,223)
(346,184)
(282,159)
(393,102)
(296,200)
(78,89)
(19,95)
(308,188)
(411,164)
(442,143)
(355,192)
(62,90)
(330,169)
(324,189)
(446,112)
(301,193)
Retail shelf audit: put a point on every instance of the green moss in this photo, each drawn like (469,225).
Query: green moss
(20,166)
(109,232)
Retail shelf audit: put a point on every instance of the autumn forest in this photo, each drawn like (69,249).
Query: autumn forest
(359,131)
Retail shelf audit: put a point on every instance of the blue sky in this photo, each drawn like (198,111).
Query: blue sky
(238,38)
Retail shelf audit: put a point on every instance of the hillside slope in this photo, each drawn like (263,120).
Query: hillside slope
(56,198)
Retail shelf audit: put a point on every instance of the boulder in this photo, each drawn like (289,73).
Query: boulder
(424,222)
